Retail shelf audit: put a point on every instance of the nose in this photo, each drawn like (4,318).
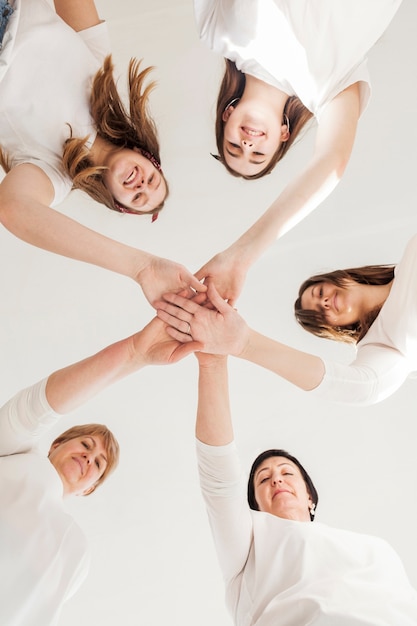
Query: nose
(246,143)
(141,182)
(276,479)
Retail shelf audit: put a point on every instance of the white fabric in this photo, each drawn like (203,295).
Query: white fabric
(388,352)
(281,572)
(43,553)
(46,69)
(310,48)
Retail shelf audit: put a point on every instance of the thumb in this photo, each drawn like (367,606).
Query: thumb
(184,349)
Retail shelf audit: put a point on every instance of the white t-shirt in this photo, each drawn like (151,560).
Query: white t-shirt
(310,48)
(46,72)
(43,552)
(388,352)
(281,572)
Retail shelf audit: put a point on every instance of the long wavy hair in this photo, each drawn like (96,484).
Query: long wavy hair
(134,128)
(315,322)
(232,87)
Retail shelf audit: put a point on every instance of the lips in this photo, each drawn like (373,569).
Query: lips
(279,491)
(132,176)
(252,132)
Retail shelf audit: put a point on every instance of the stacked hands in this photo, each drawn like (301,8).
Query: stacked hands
(205,321)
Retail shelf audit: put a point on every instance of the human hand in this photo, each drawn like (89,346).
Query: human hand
(154,346)
(216,331)
(227,271)
(161,275)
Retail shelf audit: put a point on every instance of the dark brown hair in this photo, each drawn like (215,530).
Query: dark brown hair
(315,322)
(109,440)
(312,491)
(233,86)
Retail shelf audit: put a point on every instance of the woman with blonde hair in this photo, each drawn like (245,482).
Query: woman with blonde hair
(286,62)
(63,125)
(373,307)
(43,551)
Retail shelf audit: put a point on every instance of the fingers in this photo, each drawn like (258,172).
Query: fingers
(179,303)
(216,299)
(181,326)
(179,336)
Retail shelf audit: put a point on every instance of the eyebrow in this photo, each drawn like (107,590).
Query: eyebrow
(94,444)
(263,469)
(235,156)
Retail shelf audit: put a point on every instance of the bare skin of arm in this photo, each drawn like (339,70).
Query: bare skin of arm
(333,146)
(68,388)
(221,330)
(26,192)
(214,422)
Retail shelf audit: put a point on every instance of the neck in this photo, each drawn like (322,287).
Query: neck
(375,295)
(100,149)
(255,88)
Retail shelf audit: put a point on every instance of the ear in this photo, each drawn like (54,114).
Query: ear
(227,113)
(86,492)
(285,133)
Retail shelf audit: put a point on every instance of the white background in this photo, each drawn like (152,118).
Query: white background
(153,561)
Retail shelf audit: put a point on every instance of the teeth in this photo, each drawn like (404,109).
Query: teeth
(130,177)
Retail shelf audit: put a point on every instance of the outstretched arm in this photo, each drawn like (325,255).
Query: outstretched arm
(334,143)
(68,388)
(214,422)
(223,331)
(25,195)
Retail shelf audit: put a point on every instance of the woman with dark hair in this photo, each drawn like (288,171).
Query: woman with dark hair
(63,125)
(374,307)
(279,569)
(286,62)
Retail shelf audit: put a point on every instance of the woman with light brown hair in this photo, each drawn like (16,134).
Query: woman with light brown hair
(373,307)
(286,62)
(63,125)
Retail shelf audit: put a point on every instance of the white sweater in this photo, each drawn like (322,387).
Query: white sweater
(43,553)
(280,572)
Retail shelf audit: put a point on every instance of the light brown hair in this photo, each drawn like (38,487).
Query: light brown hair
(315,322)
(109,441)
(125,129)
(233,86)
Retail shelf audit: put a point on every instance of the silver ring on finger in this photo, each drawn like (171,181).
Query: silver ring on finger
(189,329)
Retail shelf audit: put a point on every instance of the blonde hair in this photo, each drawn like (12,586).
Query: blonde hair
(110,443)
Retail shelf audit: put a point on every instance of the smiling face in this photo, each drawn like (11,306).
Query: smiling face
(79,462)
(252,135)
(280,489)
(341,306)
(134,181)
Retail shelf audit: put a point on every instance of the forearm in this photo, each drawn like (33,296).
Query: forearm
(50,230)
(297,200)
(214,424)
(300,368)
(70,387)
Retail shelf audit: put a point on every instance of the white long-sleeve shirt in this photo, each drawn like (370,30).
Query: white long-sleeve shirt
(43,553)
(387,354)
(280,572)
(310,48)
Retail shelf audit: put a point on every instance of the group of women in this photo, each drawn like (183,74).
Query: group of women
(287,64)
